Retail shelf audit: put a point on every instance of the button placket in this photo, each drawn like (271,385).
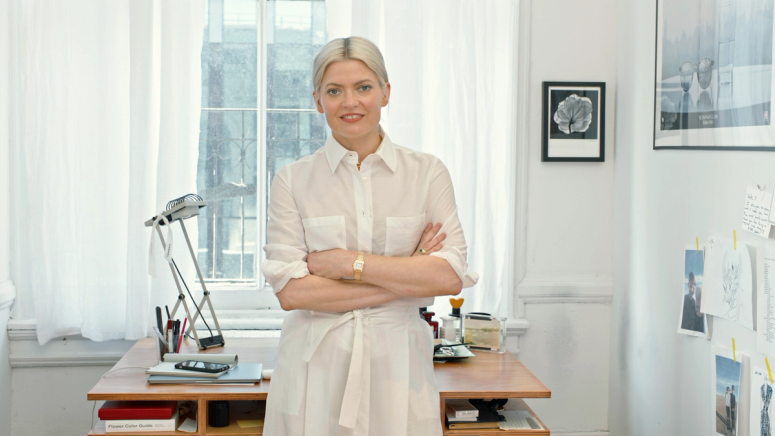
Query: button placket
(362,194)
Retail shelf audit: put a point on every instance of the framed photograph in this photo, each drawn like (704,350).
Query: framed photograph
(713,65)
(573,122)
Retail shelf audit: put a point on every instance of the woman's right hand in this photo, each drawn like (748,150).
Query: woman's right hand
(428,242)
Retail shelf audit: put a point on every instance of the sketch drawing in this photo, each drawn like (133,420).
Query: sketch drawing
(728,288)
(731,275)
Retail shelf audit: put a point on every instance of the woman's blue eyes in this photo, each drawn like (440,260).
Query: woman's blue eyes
(335,91)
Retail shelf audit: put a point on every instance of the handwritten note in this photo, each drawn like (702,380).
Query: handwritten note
(756,212)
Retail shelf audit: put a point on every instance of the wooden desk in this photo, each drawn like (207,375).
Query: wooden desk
(488,375)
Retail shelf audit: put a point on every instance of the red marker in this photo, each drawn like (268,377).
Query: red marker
(182,334)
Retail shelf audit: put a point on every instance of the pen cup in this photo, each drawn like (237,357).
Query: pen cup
(159,351)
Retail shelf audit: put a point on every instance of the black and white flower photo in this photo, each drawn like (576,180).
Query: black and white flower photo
(574,122)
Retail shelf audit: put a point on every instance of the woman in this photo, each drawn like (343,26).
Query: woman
(352,253)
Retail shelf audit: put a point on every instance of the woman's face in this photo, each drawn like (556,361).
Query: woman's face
(351,99)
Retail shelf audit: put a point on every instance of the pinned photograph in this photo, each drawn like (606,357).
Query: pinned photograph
(728,287)
(573,122)
(726,391)
(761,414)
(692,321)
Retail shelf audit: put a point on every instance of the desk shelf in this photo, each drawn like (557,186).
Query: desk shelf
(513,404)
(488,375)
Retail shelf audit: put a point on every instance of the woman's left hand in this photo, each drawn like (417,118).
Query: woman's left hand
(331,264)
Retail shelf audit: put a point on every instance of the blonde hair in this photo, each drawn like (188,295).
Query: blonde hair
(342,49)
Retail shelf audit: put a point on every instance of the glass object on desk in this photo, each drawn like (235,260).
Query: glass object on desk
(484,332)
(448,328)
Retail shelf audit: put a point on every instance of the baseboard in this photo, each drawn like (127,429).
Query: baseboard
(593,433)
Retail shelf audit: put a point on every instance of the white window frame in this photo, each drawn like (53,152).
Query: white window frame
(260,299)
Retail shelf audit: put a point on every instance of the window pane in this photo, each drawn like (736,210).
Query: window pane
(296,31)
(227,173)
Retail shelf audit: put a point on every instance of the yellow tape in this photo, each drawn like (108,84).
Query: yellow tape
(768,367)
(698,244)
(734,355)
(734,233)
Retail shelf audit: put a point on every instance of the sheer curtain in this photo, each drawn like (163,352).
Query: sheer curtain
(453,66)
(104,131)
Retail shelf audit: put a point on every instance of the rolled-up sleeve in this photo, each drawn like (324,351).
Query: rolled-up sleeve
(442,208)
(286,249)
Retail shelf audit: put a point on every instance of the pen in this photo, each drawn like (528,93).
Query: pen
(169,336)
(182,332)
(175,328)
(167,308)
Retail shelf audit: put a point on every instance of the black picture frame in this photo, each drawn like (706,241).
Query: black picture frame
(705,97)
(573,140)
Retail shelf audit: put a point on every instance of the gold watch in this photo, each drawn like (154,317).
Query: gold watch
(358,267)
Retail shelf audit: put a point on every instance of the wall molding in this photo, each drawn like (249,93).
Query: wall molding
(565,289)
(7,294)
(567,299)
(565,285)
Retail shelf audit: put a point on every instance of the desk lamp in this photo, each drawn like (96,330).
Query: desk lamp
(179,210)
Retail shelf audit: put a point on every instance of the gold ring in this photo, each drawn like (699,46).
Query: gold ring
(423,251)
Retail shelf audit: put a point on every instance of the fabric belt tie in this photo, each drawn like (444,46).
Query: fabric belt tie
(358,378)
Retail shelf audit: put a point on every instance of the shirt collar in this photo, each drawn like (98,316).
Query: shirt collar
(386,151)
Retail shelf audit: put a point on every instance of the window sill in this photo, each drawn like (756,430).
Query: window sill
(70,351)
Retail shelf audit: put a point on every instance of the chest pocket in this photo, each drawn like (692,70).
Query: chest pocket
(403,234)
(325,233)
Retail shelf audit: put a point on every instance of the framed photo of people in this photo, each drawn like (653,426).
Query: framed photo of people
(573,122)
(713,65)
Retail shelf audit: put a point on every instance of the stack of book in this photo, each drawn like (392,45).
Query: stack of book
(461,414)
(139,416)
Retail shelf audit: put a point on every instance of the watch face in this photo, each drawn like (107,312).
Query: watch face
(358,265)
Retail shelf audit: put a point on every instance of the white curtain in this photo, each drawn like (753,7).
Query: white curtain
(453,67)
(105,100)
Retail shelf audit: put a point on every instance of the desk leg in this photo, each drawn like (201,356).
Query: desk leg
(201,417)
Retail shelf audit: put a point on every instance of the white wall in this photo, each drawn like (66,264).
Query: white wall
(661,381)
(569,248)
(568,284)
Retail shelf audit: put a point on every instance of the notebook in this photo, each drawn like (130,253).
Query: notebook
(244,373)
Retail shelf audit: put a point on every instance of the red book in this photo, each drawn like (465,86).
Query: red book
(137,410)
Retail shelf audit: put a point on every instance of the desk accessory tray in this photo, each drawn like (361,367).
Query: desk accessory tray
(460,352)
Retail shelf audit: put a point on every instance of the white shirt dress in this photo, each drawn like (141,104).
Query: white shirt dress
(368,371)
